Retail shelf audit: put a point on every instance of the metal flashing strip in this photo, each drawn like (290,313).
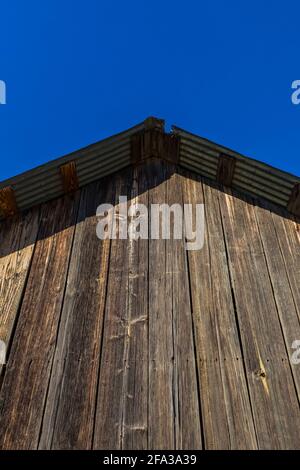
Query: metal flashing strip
(132,146)
(248,175)
(45,182)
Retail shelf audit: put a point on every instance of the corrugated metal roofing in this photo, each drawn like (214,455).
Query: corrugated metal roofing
(93,162)
(250,176)
(114,153)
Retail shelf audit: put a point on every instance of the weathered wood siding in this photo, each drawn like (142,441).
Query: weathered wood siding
(125,344)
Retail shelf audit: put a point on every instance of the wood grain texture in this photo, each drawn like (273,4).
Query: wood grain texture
(110,402)
(69,415)
(226,412)
(288,235)
(287,309)
(135,386)
(162,397)
(273,395)
(8,204)
(69,177)
(26,380)
(226,168)
(141,344)
(17,239)
(185,385)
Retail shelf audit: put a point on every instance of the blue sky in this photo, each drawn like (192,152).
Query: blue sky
(79,71)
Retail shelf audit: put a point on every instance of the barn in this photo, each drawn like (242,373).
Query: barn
(122,343)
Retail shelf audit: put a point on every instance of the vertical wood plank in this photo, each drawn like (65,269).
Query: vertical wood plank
(26,380)
(69,415)
(17,238)
(161,348)
(288,235)
(272,391)
(135,387)
(287,309)
(110,401)
(226,410)
(185,387)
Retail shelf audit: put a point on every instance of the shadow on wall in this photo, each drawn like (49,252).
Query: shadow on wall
(31,226)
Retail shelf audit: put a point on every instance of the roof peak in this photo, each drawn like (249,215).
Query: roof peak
(146,140)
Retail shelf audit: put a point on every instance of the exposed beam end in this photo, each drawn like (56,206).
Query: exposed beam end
(226,167)
(154,143)
(69,177)
(8,204)
(294,201)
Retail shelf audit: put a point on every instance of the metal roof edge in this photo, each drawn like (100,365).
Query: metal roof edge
(84,151)
(235,170)
(222,149)
(198,154)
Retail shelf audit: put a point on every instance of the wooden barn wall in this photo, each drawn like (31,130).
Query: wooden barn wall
(142,344)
